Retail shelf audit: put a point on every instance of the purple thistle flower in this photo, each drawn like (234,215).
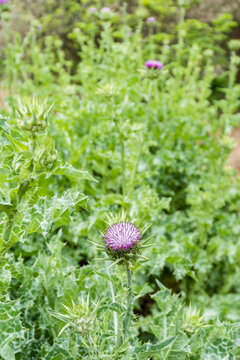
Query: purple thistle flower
(105,10)
(3,1)
(92,9)
(153,64)
(121,236)
(151,19)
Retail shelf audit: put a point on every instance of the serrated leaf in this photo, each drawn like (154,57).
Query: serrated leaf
(70,171)
(10,324)
(58,353)
(3,124)
(18,145)
(178,348)
(41,216)
(7,353)
(146,350)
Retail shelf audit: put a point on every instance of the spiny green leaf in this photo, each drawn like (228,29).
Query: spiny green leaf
(70,171)
(146,350)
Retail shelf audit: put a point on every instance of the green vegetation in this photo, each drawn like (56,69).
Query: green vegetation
(87,129)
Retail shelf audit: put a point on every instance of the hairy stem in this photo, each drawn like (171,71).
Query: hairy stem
(123,163)
(128,316)
(122,157)
(140,146)
(93,345)
(122,149)
(135,167)
(164,327)
(115,315)
(232,71)
(149,102)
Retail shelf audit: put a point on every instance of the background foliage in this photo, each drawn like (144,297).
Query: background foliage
(119,137)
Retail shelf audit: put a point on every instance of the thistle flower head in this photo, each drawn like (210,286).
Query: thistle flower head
(154,64)
(123,240)
(105,10)
(92,10)
(3,2)
(151,20)
(121,236)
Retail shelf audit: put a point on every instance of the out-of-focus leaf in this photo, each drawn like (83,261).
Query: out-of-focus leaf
(146,350)
(70,171)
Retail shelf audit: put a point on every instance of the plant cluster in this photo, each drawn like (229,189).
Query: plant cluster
(138,126)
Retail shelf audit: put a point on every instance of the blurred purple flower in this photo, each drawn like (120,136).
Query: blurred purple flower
(121,236)
(92,9)
(3,1)
(105,10)
(151,19)
(153,64)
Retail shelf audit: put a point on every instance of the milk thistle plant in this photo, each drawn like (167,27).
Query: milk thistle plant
(32,158)
(123,243)
(143,137)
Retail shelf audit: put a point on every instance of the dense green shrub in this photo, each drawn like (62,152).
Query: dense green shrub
(157,143)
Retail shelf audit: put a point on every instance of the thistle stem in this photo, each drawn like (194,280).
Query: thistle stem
(142,138)
(122,149)
(128,316)
(164,327)
(123,162)
(149,102)
(135,167)
(115,316)
(232,71)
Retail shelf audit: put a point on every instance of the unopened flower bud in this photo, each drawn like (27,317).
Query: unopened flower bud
(33,115)
(235,60)
(107,90)
(192,320)
(234,45)
(83,325)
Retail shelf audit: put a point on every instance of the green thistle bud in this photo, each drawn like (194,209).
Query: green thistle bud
(33,115)
(235,60)
(78,316)
(234,45)
(83,325)
(192,320)
(108,90)
(45,154)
